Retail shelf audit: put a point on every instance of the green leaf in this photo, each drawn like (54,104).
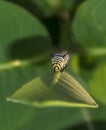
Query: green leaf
(93,71)
(21,33)
(89,24)
(18,31)
(62,89)
(17,35)
(97,83)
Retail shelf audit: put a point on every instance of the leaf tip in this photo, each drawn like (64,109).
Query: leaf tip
(13,100)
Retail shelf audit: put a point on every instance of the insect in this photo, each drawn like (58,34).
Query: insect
(60,61)
(55,89)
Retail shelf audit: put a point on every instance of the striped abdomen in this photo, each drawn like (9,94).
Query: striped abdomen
(59,61)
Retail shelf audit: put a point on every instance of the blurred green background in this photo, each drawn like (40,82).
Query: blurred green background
(27,26)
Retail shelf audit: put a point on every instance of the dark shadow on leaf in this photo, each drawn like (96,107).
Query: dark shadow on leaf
(99,125)
(29,47)
(28,5)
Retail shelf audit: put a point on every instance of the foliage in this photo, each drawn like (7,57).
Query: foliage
(28,26)
(56,89)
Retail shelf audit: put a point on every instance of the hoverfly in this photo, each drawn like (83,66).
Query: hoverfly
(58,88)
(66,84)
(60,61)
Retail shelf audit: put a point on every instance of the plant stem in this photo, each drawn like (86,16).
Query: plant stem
(65,30)
(88,120)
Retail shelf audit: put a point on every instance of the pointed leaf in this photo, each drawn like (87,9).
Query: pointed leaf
(61,89)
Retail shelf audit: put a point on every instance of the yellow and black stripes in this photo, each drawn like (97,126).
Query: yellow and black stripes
(59,61)
(57,66)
